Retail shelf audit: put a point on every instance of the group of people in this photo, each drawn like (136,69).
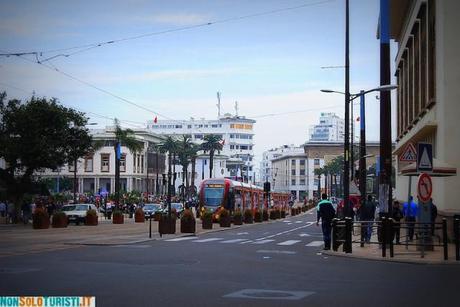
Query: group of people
(367,214)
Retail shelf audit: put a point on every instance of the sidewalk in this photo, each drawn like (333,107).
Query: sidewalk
(401,254)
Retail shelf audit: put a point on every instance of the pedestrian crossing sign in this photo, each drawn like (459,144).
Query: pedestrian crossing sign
(425,157)
(409,154)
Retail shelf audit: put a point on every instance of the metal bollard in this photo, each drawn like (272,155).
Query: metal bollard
(457,239)
(348,230)
(335,245)
(150,226)
(363,231)
(384,237)
(444,238)
(391,235)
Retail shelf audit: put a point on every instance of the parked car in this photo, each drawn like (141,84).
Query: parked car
(150,209)
(77,213)
(177,206)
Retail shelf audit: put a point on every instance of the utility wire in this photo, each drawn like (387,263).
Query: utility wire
(86,47)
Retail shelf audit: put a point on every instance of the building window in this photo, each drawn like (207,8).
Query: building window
(302,172)
(292,181)
(105,163)
(302,162)
(232,146)
(134,163)
(316,162)
(72,166)
(302,181)
(293,172)
(142,164)
(189,126)
(293,162)
(89,164)
(123,163)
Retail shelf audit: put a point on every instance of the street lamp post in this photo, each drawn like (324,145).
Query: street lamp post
(362,162)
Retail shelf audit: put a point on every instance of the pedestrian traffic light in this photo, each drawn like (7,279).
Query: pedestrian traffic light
(267,186)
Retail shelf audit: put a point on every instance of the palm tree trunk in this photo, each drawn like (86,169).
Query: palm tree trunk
(157,186)
(75,180)
(211,156)
(184,173)
(319,186)
(192,179)
(117,177)
(174,174)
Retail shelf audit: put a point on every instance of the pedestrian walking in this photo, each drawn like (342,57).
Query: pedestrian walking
(367,215)
(410,212)
(326,213)
(397,216)
(2,209)
(434,215)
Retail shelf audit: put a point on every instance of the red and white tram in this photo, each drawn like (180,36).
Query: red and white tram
(232,195)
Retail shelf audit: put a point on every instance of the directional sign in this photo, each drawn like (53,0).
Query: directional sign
(424,187)
(409,154)
(424,157)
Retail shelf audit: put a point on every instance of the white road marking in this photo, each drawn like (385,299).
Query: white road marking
(181,239)
(287,231)
(270,251)
(208,240)
(289,223)
(304,235)
(289,242)
(233,241)
(286,221)
(242,233)
(298,222)
(263,241)
(315,243)
(245,242)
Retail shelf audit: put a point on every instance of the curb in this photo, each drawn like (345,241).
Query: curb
(395,260)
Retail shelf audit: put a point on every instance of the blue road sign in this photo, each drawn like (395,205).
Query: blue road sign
(424,157)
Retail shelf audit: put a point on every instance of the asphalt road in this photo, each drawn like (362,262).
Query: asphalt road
(259,265)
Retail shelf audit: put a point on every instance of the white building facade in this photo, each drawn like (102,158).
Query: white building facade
(266,169)
(331,128)
(236,132)
(291,174)
(142,171)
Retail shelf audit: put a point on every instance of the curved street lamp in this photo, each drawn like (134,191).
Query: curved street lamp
(362,152)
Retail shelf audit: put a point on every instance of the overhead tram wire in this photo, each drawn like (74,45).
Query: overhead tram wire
(86,47)
(33,93)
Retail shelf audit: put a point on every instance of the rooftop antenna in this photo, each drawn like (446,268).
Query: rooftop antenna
(218,105)
(236,108)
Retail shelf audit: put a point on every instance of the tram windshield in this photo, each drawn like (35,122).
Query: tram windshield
(213,196)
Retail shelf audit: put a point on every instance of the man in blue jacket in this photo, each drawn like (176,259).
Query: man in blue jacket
(410,213)
(325,212)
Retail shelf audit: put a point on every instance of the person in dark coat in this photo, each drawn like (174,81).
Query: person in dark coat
(326,213)
(397,216)
(367,214)
(434,215)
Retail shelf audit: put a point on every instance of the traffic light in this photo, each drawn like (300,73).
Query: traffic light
(267,186)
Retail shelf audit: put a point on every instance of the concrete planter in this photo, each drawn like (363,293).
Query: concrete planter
(40,219)
(59,220)
(139,216)
(118,219)
(91,220)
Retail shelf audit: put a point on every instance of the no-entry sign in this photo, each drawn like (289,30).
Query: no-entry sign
(424,187)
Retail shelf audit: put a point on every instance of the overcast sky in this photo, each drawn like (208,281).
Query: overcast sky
(269,63)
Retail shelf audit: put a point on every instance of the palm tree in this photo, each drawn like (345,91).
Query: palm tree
(169,145)
(194,149)
(212,143)
(184,153)
(123,137)
(158,150)
(318,172)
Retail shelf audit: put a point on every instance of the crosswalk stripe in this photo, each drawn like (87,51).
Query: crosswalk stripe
(289,242)
(315,243)
(234,241)
(208,240)
(181,239)
(263,241)
(297,222)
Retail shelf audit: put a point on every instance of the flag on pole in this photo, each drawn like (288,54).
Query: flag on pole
(357,119)
(155,120)
(222,142)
